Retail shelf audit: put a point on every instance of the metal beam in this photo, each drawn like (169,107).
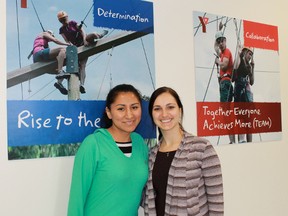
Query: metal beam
(31,71)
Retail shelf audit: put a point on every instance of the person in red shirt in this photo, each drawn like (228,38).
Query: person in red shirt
(225,63)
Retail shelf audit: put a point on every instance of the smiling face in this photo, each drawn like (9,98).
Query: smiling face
(125,113)
(166,112)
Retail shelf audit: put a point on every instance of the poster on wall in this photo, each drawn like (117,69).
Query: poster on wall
(52,107)
(237,79)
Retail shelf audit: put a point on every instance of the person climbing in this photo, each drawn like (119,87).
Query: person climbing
(225,62)
(244,78)
(42,52)
(73,33)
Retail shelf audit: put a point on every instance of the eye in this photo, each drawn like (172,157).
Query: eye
(156,109)
(135,107)
(120,108)
(171,107)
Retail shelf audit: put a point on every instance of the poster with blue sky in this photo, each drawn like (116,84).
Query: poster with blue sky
(42,122)
(253,112)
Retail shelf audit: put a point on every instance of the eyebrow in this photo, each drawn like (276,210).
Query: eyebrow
(169,104)
(126,104)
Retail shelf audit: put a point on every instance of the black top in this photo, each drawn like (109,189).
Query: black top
(243,70)
(159,178)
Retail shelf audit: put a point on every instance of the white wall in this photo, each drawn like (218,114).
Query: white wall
(255,175)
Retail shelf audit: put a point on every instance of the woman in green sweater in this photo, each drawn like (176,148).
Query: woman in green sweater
(111,165)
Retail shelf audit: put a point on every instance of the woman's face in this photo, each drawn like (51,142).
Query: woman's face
(248,55)
(64,20)
(166,112)
(125,112)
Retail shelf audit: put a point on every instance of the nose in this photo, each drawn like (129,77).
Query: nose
(129,113)
(164,113)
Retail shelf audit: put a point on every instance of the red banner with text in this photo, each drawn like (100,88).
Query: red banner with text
(216,118)
(260,35)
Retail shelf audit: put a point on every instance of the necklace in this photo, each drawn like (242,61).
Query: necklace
(170,154)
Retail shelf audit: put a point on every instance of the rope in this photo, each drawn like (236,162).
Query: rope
(111,79)
(209,82)
(52,91)
(19,48)
(29,81)
(41,90)
(258,71)
(37,16)
(151,77)
(237,45)
(238,37)
(217,24)
(225,25)
(108,63)
(237,30)
(82,22)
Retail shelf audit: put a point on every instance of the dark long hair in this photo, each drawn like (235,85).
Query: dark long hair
(174,94)
(111,97)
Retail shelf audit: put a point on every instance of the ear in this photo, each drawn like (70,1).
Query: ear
(108,112)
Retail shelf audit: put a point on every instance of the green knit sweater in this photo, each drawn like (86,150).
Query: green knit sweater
(104,180)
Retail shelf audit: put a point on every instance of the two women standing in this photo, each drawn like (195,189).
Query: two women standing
(184,171)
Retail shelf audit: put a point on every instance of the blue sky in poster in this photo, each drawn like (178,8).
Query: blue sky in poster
(132,62)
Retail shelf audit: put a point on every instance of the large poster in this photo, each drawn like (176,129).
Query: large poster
(237,79)
(44,120)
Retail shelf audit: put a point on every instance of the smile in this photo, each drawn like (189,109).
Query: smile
(129,122)
(166,120)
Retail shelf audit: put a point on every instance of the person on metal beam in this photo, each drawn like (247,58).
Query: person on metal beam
(73,33)
(42,52)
